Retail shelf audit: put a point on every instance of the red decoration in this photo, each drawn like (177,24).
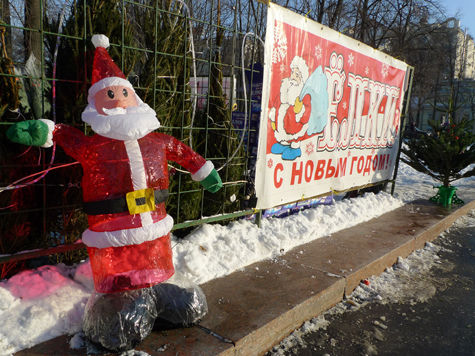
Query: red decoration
(108,173)
(104,66)
(131,267)
(125,180)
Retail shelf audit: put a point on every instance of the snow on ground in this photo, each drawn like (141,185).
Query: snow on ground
(41,304)
(412,185)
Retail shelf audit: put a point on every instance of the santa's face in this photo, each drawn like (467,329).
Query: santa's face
(296,76)
(117,112)
(116,96)
(290,89)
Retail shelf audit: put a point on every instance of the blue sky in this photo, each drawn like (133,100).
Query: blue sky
(466,9)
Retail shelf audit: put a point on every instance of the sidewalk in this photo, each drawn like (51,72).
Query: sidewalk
(260,305)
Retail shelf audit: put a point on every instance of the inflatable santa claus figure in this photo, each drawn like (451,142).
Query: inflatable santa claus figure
(124,187)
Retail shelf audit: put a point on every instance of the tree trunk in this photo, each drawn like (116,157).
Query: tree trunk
(5,18)
(216,76)
(321,11)
(33,21)
(336,15)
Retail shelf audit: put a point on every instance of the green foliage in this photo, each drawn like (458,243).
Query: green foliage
(444,153)
(8,84)
(221,140)
(163,76)
(163,85)
(32,93)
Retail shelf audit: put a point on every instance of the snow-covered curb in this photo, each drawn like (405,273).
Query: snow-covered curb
(214,251)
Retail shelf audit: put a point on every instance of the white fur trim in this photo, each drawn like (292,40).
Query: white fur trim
(137,171)
(100,41)
(105,83)
(137,168)
(272,114)
(134,236)
(49,138)
(295,144)
(281,135)
(203,172)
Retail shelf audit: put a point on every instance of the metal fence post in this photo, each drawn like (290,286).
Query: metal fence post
(407,104)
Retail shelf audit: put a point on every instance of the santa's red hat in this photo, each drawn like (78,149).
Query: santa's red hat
(105,72)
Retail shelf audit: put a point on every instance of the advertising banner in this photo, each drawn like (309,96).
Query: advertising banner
(331,110)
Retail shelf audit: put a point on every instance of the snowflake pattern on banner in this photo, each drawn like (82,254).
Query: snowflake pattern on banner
(280,49)
(318,52)
(351,59)
(310,148)
(384,70)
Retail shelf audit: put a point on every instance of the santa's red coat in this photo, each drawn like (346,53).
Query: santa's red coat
(121,244)
(291,126)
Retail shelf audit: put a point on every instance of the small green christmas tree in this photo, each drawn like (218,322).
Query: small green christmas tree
(443,154)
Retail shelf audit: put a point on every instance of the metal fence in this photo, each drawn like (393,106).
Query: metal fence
(188,63)
(199,66)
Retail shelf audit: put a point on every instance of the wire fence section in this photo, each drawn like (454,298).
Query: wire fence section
(197,64)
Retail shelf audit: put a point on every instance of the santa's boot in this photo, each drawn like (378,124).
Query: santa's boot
(119,321)
(182,302)
(291,153)
(277,148)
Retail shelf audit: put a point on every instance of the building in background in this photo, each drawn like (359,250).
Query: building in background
(452,94)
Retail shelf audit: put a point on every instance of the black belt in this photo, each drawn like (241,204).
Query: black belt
(119,205)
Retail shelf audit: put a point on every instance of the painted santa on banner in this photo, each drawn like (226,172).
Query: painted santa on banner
(125,186)
(300,110)
(290,118)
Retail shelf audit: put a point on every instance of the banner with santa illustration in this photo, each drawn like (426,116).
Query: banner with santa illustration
(331,110)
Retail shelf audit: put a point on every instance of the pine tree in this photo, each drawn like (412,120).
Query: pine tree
(443,154)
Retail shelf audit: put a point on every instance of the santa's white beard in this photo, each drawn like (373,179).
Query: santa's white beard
(289,91)
(131,123)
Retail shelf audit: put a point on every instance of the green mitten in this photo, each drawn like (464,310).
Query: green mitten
(30,132)
(212,182)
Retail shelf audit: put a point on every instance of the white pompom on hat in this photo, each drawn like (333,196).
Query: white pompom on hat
(100,41)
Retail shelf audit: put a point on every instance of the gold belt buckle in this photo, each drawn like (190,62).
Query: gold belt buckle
(140,201)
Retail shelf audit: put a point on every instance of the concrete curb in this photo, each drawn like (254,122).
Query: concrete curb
(265,337)
(434,231)
(378,266)
(261,340)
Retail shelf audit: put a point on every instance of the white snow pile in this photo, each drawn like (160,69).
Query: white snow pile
(38,305)
(215,250)
(410,280)
(47,302)
(295,338)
